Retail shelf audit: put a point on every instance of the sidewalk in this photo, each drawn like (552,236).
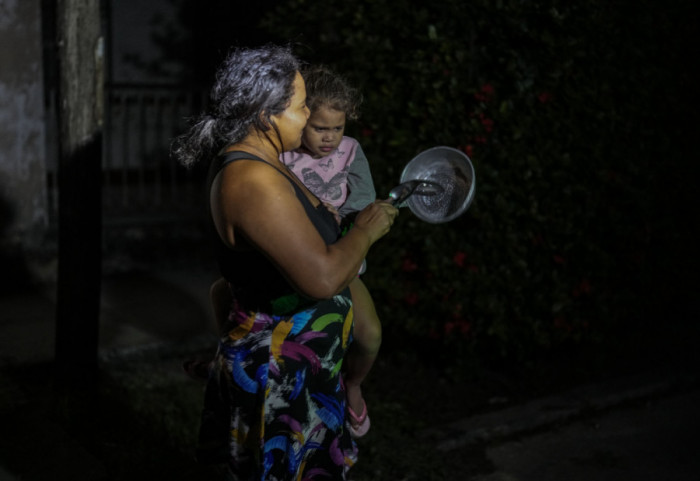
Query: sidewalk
(161,314)
(151,320)
(648,439)
(540,414)
(139,310)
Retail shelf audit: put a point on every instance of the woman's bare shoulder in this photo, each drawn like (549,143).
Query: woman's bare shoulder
(251,186)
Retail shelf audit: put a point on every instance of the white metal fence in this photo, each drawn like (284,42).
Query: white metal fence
(141,182)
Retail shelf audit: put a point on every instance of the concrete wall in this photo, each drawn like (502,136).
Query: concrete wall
(27,150)
(24,211)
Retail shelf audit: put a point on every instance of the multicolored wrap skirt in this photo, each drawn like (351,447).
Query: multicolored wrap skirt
(274,405)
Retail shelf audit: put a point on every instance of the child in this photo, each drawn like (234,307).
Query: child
(335,169)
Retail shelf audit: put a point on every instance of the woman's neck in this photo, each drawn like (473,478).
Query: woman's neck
(262,149)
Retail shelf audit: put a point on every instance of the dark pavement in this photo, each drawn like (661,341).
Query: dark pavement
(161,314)
(640,426)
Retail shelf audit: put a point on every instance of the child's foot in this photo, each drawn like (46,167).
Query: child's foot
(358,421)
(358,425)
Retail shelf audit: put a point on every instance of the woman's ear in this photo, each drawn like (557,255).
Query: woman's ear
(266,121)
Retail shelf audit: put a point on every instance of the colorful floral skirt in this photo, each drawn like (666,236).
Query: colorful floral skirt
(275,405)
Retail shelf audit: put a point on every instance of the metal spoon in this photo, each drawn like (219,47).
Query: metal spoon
(403,191)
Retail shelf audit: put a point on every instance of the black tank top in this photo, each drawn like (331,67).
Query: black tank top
(256,282)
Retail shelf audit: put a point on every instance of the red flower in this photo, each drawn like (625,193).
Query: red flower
(612,175)
(411,298)
(562,324)
(559,259)
(487,123)
(409,265)
(464,326)
(584,287)
(485,94)
(458,325)
(537,239)
(544,97)
(459,258)
(367,132)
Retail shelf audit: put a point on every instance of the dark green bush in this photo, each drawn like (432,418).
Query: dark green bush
(556,104)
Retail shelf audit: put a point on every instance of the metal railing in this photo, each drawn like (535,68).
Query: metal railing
(141,181)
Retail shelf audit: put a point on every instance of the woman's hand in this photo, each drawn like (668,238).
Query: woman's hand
(252,204)
(376,219)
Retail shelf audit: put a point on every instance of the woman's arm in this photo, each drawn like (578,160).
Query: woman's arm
(253,200)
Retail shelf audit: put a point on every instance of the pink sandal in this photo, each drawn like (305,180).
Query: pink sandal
(361,421)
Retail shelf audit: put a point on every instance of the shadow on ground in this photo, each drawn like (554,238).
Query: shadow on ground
(139,420)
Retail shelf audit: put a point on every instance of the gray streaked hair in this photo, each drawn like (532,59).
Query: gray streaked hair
(251,85)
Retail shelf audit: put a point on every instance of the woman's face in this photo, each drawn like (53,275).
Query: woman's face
(292,120)
(324,131)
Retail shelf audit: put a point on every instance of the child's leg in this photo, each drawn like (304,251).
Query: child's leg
(365,347)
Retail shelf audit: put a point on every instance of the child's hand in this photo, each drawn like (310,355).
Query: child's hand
(333,211)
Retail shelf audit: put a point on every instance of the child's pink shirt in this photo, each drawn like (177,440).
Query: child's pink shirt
(326,177)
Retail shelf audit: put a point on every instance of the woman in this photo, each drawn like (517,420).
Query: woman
(275,404)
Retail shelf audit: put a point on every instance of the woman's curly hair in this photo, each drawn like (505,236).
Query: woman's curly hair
(252,85)
(325,88)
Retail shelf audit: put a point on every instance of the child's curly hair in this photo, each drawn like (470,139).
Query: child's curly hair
(325,88)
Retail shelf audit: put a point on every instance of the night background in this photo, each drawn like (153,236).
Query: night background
(576,261)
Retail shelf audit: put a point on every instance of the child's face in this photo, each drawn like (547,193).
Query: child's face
(323,131)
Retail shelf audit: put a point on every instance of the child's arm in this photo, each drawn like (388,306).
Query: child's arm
(360,185)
